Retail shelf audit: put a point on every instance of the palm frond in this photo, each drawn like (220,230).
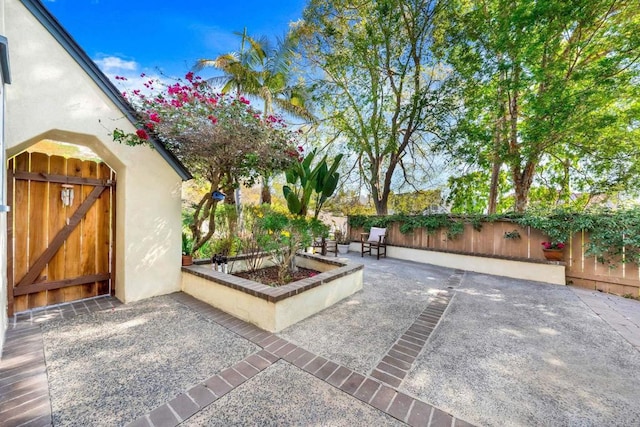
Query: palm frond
(221,62)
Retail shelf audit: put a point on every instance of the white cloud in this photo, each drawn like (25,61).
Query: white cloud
(113,64)
(134,78)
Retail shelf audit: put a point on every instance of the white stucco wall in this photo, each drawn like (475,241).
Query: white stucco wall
(52,97)
(3,216)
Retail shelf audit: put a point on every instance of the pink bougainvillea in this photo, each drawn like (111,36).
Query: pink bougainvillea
(142,134)
(221,139)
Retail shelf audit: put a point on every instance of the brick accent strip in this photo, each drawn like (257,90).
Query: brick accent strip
(370,390)
(398,361)
(198,397)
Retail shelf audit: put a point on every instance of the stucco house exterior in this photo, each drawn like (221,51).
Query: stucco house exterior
(52,90)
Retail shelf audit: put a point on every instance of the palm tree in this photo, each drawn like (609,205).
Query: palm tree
(262,71)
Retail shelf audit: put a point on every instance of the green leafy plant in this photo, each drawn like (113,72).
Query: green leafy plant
(341,237)
(284,234)
(187,244)
(304,180)
(513,235)
(558,224)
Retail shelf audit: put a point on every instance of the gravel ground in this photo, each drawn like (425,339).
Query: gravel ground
(284,395)
(518,353)
(110,368)
(358,331)
(506,353)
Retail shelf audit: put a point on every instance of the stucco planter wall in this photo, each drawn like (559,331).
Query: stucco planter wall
(535,271)
(275,308)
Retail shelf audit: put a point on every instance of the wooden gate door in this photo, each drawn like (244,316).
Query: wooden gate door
(58,250)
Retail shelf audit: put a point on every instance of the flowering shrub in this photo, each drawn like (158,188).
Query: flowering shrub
(553,245)
(219,138)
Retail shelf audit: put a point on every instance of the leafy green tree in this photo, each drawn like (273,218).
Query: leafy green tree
(262,70)
(550,92)
(380,88)
(416,203)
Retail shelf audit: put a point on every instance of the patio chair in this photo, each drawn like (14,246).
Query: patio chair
(325,246)
(375,240)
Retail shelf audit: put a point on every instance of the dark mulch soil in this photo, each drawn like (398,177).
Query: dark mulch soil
(269,275)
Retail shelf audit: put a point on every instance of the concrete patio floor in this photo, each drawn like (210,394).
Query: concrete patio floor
(420,345)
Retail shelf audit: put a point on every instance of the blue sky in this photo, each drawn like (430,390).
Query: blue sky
(131,37)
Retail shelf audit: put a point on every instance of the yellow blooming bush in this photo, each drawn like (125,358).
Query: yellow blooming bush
(283,234)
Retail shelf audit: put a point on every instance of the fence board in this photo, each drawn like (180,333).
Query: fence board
(57,219)
(38,227)
(468,236)
(103,218)
(485,241)
(88,262)
(73,243)
(20,229)
(10,253)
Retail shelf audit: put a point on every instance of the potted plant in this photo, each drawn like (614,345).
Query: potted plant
(342,241)
(553,251)
(187,249)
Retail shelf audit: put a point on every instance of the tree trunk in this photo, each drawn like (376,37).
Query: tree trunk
(493,188)
(522,184)
(499,135)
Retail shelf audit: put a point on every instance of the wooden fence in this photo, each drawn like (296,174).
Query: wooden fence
(581,270)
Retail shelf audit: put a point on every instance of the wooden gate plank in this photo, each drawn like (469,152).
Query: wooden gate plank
(59,284)
(103,238)
(10,253)
(57,241)
(60,178)
(38,217)
(88,232)
(57,220)
(72,245)
(20,217)
(112,267)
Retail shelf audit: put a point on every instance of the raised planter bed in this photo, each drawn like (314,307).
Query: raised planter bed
(274,308)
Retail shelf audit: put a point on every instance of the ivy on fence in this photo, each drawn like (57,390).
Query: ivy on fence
(613,234)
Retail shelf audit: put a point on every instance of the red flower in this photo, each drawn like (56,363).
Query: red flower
(154,117)
(142,134)
(149,126)
(553,245)
(244,100)
(189,76)
(213,119)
